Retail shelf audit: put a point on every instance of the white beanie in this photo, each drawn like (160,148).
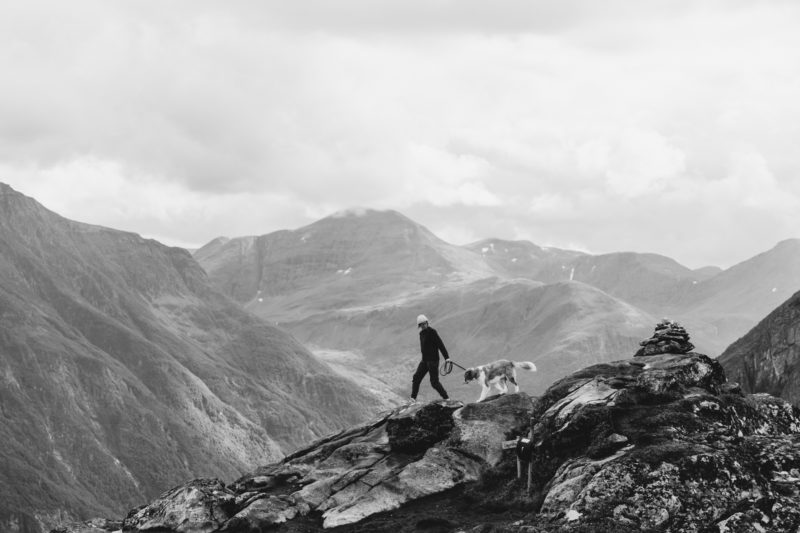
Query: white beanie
(421,319)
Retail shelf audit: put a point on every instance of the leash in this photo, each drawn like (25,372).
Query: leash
(447,367)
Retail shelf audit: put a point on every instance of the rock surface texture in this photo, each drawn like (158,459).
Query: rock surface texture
(664,443)
(766,359)
(405,455)
(652,443)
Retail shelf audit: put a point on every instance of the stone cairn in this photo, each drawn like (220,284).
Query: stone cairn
(669,337)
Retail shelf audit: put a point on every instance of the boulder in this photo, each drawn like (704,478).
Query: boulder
(440,469)
(96,525)
(420,426)
(199,506)
(481,428)
(671,450)
(262,513)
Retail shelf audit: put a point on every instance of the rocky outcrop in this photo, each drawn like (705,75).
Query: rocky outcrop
(668,337)
(410,453)
(665,443)
(653,443)
(766,359)
(97,525)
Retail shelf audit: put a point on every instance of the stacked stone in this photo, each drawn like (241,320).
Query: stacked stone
(669,337)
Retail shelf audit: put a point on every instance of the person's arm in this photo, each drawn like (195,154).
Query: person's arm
(441,346)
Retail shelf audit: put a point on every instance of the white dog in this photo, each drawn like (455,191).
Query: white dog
(498,374)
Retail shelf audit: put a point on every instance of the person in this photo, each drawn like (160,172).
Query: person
(430,345)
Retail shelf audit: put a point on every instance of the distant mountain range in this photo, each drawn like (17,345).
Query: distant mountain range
(123,371)
(353,282)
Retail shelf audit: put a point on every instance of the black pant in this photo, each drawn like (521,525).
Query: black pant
(427,367)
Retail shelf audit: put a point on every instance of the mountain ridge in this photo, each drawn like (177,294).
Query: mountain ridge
(122,369)
(383,295)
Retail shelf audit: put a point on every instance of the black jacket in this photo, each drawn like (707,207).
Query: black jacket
(430,344)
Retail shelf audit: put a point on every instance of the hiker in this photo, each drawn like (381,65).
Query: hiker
(430,344)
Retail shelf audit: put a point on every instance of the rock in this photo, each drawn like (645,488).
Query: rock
(420,426)
(663,444)
(199,506)
(264,512)
(481,428)
(96,525)
(439,470)
(402,456)
(668,337)
(694,454)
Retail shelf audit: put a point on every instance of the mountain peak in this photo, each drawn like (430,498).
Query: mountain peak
(360,212)
(365,215)
(791,243)
(8,192)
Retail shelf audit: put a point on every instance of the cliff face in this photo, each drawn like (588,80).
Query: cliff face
(655,443)
(766,359)
(122,370)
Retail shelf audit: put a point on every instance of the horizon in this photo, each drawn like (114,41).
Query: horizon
(664,127)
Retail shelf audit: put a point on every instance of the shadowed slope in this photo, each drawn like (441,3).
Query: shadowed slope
(122,370)
(766,359)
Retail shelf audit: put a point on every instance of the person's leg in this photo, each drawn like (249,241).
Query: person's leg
(433,370)
(417,379)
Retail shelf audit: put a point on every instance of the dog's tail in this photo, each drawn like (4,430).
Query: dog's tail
(525,365)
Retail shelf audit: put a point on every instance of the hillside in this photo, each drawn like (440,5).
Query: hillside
(122,370)
(766,358)
(356,257)
(736,299)
(560,327)
(523,259)
(350,285)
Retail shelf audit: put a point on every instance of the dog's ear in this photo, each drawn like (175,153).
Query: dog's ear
(469,375)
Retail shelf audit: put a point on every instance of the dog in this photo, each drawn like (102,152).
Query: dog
(498,374)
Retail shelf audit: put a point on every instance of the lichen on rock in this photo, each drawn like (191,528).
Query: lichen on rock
(695,453)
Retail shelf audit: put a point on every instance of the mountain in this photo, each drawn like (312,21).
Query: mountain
(734,300)
(655,443)
(523,259)
(123,370)
(560,327)
(355,257)
(649,281)
(350,285)
(766,358)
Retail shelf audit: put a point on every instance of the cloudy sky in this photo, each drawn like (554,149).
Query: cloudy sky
(667,126)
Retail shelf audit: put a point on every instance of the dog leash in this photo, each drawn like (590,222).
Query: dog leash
(447,367)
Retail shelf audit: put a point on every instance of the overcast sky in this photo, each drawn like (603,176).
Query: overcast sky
(661,126)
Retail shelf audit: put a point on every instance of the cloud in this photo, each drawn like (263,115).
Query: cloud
(555,121)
